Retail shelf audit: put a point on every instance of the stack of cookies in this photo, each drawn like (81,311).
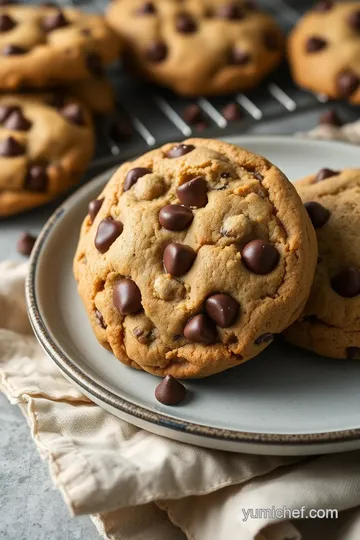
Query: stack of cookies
(47,137)
(196,255)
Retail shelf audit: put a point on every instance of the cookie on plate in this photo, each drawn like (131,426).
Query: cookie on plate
(330,323)
(193,257)
(324,50)
(45,146)
(44,46)
(198,47)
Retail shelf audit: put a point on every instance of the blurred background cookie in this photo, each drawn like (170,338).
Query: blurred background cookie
(45,147)
(324,50)
(46,46)
(330,324)
(198,47)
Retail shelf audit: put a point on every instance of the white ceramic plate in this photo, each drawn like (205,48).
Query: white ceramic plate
(285,401)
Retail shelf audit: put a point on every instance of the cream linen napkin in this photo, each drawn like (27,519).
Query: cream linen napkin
(139,486)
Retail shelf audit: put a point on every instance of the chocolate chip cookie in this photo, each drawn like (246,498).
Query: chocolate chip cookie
(330,323)
(193,257)
(324,50)
(44,46)
(45,146)
(198,47)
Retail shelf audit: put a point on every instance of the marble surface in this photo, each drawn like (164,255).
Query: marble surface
(30,508)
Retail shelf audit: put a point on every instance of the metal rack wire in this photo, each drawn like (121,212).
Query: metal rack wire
(156,114)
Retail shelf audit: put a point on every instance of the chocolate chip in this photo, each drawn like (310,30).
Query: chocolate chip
(175,217)
(36,178)
(185,23)
(13,50)
(100,319)
(258,176)
(201,126)
(317,213)
(231,112)
(133,176)
(178,259)
(143,335)
(25,243)
(325,5)
(94,64)
(225,175)
(200,329)
(10,147)
(264,338)
(315,44)
(192,114)
(271,41)
(193,192)
(347,83)
(260,257)
(108,231)
(94,207)
(179,150)
(54,21)
(354,20)
(231,11)
(222,309)
(6,110)
(325,173)
(331,118)
(127,297)
(147,8)
(170,391)
(347,282)
(17,121)
(73,113)
(157,52)
(6,23)
(352,353)
(239,57)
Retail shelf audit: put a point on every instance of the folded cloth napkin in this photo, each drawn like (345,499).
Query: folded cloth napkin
(140,486)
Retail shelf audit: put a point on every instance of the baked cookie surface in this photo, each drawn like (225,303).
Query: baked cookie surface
(44,46)
(330,323)
(324,50)
(198,47)
(193,257)
(45,146)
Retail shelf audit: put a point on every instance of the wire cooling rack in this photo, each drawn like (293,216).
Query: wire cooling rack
(156,115)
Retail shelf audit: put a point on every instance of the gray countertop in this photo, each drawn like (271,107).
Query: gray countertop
(29,507)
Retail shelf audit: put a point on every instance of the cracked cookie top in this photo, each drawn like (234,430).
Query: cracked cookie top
(198,47)
(193,257)
(324,50)
(43,46)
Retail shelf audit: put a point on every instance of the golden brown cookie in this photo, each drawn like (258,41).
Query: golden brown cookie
(45,46)
(198,46)
(330,323)
(193,257)
(44,149)
(324,50)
